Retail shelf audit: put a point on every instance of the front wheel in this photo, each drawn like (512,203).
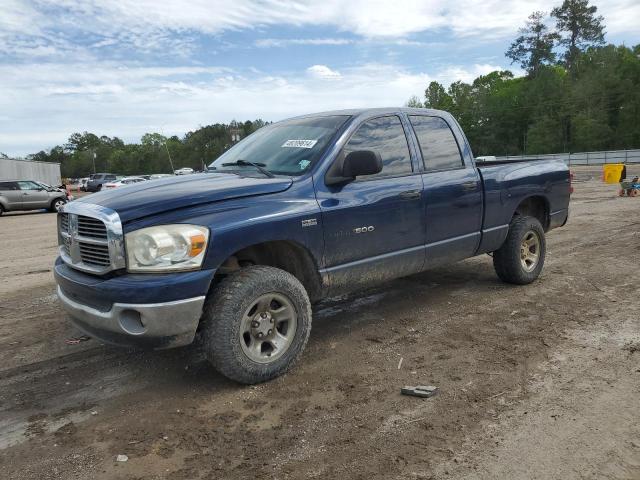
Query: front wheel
(521,257)
(256,324)
(56,205)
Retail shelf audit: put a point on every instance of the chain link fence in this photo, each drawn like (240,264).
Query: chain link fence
(584,158)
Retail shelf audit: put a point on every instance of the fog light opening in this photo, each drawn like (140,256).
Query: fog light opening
(131,322)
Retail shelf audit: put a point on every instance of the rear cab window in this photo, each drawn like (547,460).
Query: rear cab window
(386,136)
(437,143)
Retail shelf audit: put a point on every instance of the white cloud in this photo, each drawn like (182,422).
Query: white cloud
(144,24)
(42,104)
(322,71)
(286,42)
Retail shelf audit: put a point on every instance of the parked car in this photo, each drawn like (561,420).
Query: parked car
(95,182)
(156,176)
(123,181)
(60,188)
(83,183)
(29,195)
(300,210)
(184,171)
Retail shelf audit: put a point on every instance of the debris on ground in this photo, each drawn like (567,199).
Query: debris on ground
(76,340)
(122,458)
(424,391)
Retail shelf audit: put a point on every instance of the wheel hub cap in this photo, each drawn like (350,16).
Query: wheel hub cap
(268,328)
(530,251)
(262,325)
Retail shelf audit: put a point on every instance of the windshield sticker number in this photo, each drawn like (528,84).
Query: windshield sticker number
(303,164)
(299,143)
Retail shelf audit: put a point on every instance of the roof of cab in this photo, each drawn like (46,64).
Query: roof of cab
(367,112)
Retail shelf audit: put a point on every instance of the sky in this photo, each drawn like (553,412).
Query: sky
(127,67)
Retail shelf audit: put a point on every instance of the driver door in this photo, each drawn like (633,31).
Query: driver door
(373,225)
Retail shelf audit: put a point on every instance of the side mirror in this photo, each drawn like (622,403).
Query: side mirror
(355,164)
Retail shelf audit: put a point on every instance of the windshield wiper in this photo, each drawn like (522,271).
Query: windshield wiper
(246,163)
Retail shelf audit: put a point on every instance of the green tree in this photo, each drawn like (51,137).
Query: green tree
(579,28)
(534,47)
(435,96)
(413,102)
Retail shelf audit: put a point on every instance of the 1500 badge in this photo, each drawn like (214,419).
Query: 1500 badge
(368,229)
(309,222)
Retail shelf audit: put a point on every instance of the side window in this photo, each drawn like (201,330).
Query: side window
(438,145)
(110,177)
(8,186)
(29,186)
(384,135)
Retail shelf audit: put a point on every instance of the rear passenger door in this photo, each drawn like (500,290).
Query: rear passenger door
(452,193)
(373,226)
(11,195)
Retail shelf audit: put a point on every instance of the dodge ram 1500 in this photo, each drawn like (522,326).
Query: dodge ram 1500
(300,210)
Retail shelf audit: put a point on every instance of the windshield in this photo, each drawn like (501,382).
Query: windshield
(284,148)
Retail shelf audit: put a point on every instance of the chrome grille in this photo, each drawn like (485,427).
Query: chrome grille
(91,227)
(64,222)
(90,238)
(95,254)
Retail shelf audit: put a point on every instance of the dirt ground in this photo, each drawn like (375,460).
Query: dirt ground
(541,381)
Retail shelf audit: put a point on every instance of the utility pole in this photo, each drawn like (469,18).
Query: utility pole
(93,156)
(169,155)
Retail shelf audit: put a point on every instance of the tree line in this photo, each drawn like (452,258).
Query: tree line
(154,154)
(578,94)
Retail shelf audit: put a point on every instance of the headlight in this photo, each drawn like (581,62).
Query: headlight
(166,248)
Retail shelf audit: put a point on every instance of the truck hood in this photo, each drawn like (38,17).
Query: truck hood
(155,196)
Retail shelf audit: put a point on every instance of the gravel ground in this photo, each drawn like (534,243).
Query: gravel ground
(540,381)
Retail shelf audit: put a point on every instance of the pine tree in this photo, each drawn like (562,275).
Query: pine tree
(579,27)
(534,47)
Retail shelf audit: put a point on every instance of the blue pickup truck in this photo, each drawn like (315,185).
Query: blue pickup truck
(300,210)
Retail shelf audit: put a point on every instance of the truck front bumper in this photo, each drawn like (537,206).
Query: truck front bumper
(154,325)
(149,311)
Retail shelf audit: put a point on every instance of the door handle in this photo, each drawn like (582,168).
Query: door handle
(411,194)
(470,185)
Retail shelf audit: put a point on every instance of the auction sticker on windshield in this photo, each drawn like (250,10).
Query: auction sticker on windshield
(299,143)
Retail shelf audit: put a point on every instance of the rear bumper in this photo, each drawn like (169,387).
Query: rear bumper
(152,325)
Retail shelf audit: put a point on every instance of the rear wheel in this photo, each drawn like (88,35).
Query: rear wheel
(1,210)
(634,192)
(520,259)
(256,324)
